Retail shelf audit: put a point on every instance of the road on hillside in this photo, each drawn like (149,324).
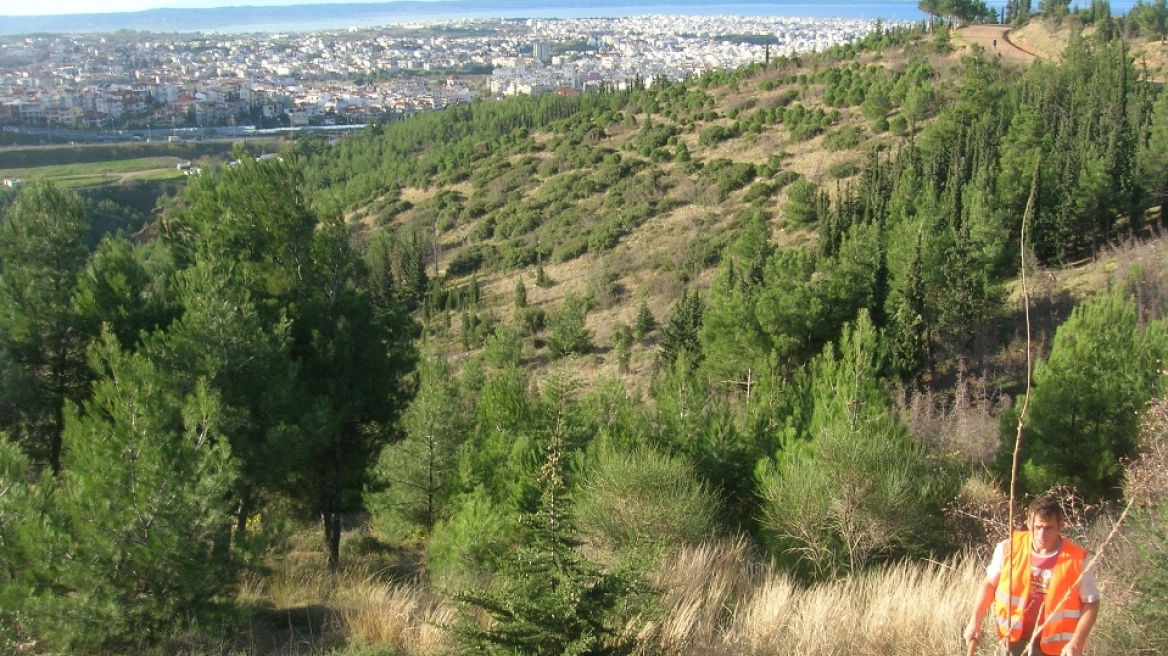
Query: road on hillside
(986,36)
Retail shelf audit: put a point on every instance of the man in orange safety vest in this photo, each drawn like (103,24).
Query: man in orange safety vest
(1048,601)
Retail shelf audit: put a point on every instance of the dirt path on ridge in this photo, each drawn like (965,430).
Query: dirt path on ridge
(986,35)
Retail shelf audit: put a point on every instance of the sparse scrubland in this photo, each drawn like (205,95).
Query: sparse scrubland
(730,366)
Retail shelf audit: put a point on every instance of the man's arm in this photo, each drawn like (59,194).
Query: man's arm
(985,596)
(1082,630)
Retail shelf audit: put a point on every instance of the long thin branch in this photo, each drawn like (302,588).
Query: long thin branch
(1027,217)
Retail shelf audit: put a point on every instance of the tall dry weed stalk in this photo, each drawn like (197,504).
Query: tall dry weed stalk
(964,423)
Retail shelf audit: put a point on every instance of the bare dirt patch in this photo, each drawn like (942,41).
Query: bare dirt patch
(1044,39)
(996,41)
(1152,57)
(414,195)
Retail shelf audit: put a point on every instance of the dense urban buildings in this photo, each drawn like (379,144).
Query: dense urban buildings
(139,80)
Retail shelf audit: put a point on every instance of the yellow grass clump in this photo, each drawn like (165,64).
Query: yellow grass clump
(719,599)
(404,616)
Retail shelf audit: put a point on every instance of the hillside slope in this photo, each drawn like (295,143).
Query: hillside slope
(630,198)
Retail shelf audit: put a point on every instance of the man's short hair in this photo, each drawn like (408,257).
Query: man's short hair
(1048,508)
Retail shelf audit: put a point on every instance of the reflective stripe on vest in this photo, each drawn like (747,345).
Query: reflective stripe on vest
(1014,588)
(1060,638)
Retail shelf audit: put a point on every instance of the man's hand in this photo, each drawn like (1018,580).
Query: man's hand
(973,634)
(1072,649)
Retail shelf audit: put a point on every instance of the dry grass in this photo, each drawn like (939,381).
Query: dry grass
(719,599)
(1044,39)
(405,616)
(699,586)
(298,582)
(1152,56)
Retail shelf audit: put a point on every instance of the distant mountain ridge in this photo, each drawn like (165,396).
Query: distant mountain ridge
(323,16)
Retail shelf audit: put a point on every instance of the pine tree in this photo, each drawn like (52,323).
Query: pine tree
(350,353)
(546,599)
(141,502)
(1153,156)
(622,345)
(1083,421)
(541,277)
(221,340)
(645,322)
(858,489)
(520,294)
(679,336)
(42,252)
(28,541)
(734,345)
(420,471)
(117,288)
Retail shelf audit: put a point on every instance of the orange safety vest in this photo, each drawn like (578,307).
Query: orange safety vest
(1061,617)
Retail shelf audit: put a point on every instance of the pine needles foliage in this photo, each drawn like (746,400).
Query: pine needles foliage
(546,598)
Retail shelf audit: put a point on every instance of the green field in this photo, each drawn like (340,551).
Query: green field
(76,176)
(37,156)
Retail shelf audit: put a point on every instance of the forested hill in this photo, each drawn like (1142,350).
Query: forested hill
(606,373)
(892,175)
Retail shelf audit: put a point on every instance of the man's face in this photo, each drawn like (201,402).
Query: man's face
(1044,533)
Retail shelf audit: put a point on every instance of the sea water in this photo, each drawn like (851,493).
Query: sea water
(300,16)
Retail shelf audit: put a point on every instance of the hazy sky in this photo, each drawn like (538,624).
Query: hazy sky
(45,7)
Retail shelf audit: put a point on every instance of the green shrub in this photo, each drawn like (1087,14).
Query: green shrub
(517,254)
(783,179)
(786,98)
(530,320)
(644,500)
(482,231)
(805,131)
(727,175)
(606,235)
(468,260)
(475,536)
(842,139)
(570,249)
(569,334)
(716,134)
(760,192)
(898,125)
(843,170)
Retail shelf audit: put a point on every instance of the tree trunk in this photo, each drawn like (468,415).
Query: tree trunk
(56,436)
(332,527)
(242,513)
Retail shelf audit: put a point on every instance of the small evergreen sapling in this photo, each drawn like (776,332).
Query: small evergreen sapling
(546,599)
(645,322)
